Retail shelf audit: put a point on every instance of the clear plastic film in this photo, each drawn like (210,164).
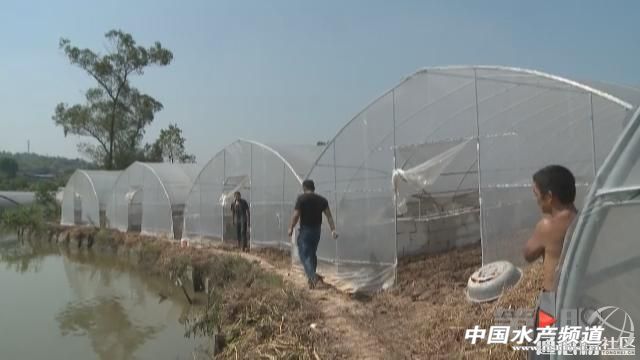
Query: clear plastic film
(604,243)
(425,174)
(227,197)
(150,197)
(446,158)
(268,176)
(85,197)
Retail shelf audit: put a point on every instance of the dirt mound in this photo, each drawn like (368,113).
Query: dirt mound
(425,316)
(260,315)
(434,278)
(277,257)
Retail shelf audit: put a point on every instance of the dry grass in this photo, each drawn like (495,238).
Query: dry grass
(425,316)
(263,323)
(277,257)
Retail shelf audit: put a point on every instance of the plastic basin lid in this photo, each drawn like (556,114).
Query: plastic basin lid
(489,282)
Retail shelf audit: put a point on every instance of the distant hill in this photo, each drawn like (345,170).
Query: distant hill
(34,169)
(34,164)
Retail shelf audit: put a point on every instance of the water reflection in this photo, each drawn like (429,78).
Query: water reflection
(106,323)
(23,256)
(76,304)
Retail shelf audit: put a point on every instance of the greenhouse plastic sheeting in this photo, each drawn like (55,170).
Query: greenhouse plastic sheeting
(11,199)
(85,197)
(508,123)
(604,245)
(425,174)
(268,176)
(150,197)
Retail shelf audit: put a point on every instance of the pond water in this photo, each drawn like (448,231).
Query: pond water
(78,305)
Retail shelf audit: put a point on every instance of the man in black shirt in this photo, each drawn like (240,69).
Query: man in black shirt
(241,219)
(308,210)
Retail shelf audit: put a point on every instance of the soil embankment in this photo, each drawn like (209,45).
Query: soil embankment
(264,309)
(256,313)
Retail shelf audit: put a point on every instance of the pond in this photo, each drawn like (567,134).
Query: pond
(58,304)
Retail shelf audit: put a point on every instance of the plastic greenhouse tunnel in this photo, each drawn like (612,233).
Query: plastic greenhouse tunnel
(150,198)
(601,261)
(12,199)
(269,177)
(445,159)
(85,197)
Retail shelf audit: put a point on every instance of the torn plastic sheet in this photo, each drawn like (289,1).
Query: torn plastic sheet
(425,174)
(227,197)
(402,206)
(131,194)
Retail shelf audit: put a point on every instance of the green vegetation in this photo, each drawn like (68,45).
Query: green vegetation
(115,113)
(34,164)
(8,167)
(46,202)
(170,147)
(33,170)
(32,219)
(21,220)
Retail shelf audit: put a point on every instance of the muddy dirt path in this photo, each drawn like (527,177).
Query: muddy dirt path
(424,316)
(356,341)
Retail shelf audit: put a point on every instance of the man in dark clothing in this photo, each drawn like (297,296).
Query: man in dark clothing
(241,220)
(308,210)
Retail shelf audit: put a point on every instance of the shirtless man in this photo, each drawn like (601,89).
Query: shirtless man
(555,190)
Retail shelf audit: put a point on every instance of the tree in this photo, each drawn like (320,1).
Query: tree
(152,153)
(9,167)
(170,143)
(46,200)
(115,114)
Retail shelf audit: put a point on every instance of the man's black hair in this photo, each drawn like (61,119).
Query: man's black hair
(237,193)
(309,185)
(559,181)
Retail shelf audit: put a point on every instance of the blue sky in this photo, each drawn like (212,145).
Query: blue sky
(291,71)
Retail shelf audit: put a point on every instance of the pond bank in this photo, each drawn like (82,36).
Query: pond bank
(265,311)
(256,313)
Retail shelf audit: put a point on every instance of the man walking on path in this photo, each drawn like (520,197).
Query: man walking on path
(241,220)
(308,210)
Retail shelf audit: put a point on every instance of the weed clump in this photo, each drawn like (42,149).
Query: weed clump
(259,315)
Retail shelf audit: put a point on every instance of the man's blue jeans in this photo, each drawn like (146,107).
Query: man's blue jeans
(308,240)
(241,234)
